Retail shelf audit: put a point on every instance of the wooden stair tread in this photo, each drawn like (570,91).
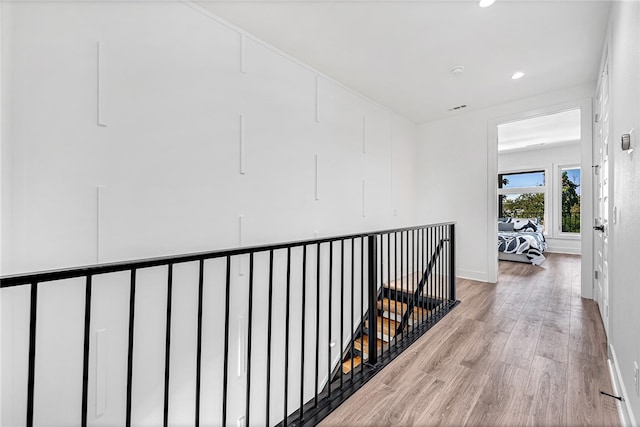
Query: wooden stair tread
(404,283)
(399,308)
(409,282)
(385,326)
(362,344)
(346,366)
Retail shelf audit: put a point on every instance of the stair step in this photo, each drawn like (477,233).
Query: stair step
(362,345)
(406,283)
(395,309)
(386,328)
(346,366)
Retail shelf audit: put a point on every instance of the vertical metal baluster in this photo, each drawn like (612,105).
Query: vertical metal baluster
(418,315)
(373,286)
(85,358)
(409,278)
(330,314)
(249,339)
(341,310)
(286,339)
(381,310)
(423,278)
(447,264)
(132,309)
(414,277)
(199,343)
(225,379)
(452,262)
(442,263)
(431,272)
(445,272)
(351,302)
(388,284)
(317,322)
(402,277)
(395,284)
(420,274)
(440,241)
(435,270)
(167,348)
(33,310)
(442,266)
(362,303)
(437,265)
(270,311)
(416,282)
(304,315)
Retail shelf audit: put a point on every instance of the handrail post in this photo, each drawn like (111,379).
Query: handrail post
(452,262)
(373,299)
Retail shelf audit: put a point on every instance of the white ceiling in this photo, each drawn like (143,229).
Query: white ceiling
(550,129)
(400,52)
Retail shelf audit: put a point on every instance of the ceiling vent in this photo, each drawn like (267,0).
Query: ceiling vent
(458,107)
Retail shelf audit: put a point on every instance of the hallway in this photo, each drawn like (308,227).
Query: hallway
(525,351)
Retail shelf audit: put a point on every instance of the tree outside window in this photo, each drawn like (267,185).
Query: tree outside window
(522,195)
(570,200)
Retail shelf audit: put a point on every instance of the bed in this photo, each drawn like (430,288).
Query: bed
(521,240)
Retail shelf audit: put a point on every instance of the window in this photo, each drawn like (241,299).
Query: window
(522,194)
(570,199)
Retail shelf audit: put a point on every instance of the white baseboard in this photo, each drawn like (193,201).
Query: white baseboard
(563,250)
(624,410)
(472,275)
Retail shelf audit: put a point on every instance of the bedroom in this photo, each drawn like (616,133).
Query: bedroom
(539,187)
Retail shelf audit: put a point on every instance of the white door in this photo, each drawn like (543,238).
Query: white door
(601,194)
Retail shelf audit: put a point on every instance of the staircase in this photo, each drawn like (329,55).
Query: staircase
(401,306)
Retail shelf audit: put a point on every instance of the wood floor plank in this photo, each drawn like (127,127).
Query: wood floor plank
(520,348)
(553,345)
(547,385)
(588,406)
(501,402)
(526,351)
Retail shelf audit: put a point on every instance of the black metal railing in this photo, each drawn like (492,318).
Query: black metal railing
(570,221)
(521,213)
(323,316)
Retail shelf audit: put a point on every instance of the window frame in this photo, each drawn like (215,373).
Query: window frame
(557,214)
(535,189)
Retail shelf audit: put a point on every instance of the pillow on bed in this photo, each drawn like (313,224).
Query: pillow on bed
(505,226)
(525,224)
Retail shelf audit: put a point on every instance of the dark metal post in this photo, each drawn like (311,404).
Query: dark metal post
(132,311)
(373,300)
(32,352)
(85,358)
(452,262)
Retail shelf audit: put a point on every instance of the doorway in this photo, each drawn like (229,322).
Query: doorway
(539,187)
(564,237)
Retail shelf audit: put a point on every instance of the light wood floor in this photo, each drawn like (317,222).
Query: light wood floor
(525,351)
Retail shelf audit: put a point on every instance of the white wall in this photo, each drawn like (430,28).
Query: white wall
(624,255)
(150,129)
(168,159)
(453,174)
(548,159)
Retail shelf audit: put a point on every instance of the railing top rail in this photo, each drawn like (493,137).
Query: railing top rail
(96,269)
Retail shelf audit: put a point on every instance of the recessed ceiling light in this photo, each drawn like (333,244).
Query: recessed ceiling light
(517,75)
(486,3)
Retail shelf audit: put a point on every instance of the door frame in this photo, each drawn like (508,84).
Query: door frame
(586,199)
